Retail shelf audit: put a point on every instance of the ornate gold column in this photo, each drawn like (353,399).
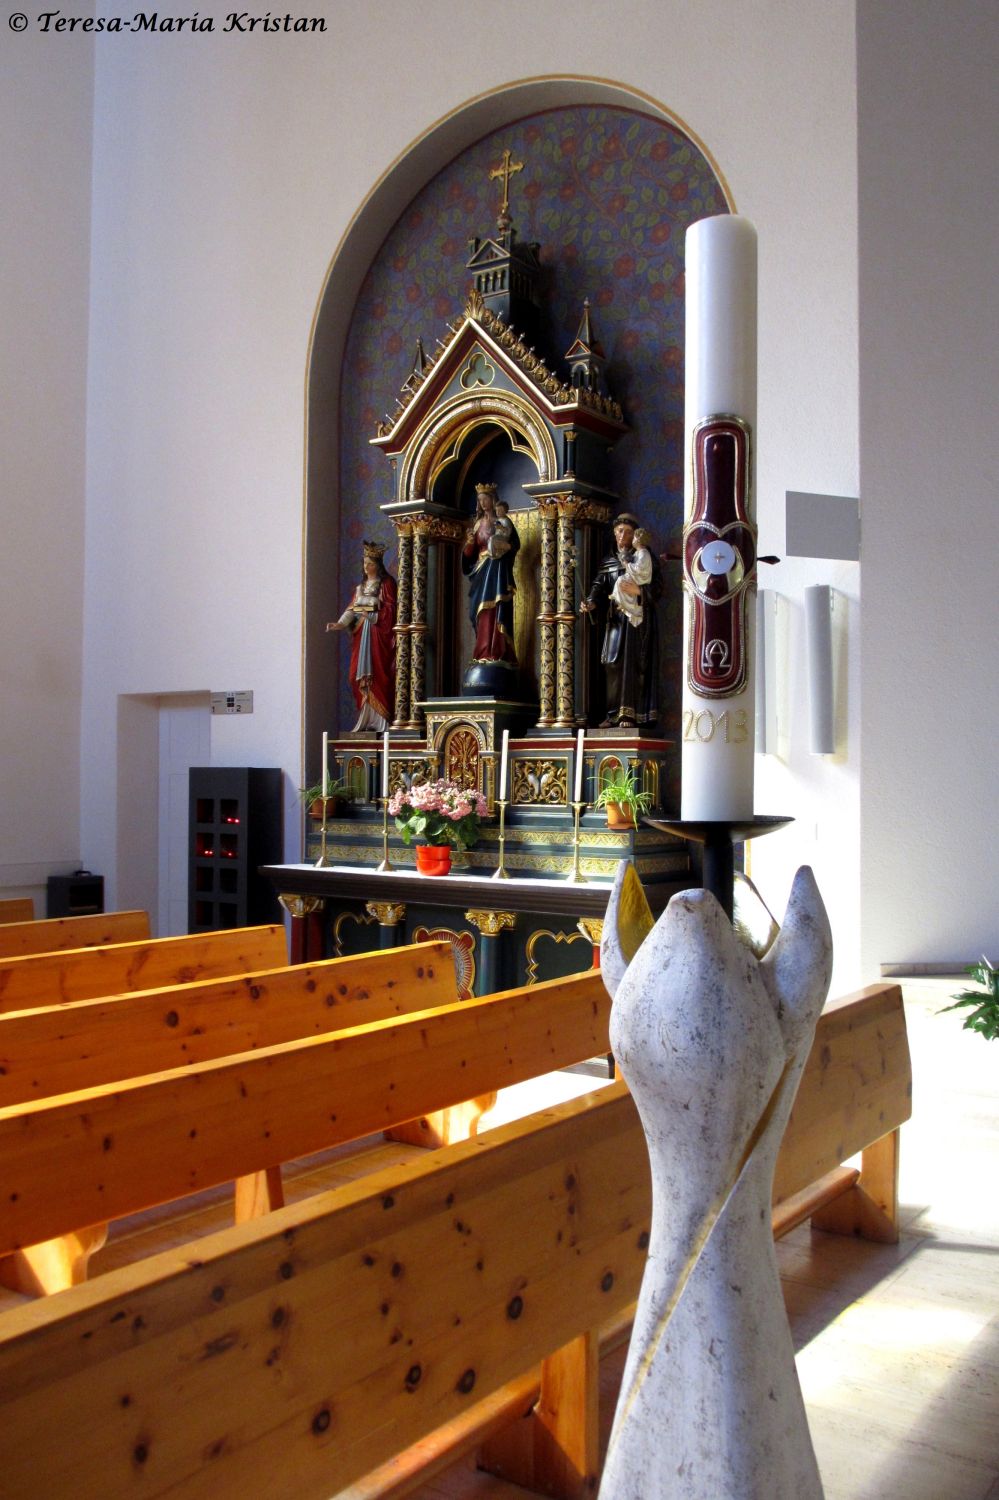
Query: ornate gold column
(546,619)
(402,637)
(565,619)
(418,621)
(491,925)
(306,937)
(389,915)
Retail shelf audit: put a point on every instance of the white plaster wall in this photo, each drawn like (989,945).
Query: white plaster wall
(929,370)
(46,88)
(226,170)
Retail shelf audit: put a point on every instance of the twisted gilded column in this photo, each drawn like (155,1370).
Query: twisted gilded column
(565,619)
(402,638)
(418,622)
(546,619)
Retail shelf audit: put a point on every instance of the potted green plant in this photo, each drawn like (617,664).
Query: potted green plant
(984,1002)
(312,797)
(621,797)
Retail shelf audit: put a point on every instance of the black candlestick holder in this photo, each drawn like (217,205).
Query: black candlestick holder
(717,841)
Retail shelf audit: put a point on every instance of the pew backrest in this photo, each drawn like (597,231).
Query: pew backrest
(46,979)
(17,909)
(107,1151)
(64,1048)
(293,1355)
(52,933)
(855,1088)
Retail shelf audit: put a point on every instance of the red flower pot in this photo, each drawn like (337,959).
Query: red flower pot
(433,859)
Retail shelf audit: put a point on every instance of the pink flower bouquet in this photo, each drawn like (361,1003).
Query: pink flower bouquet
(438,812)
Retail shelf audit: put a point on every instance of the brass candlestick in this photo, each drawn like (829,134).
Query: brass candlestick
(575,877)
(386,863)
(500,873)
(323,861)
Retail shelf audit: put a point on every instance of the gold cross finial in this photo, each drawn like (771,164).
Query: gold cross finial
(506,170)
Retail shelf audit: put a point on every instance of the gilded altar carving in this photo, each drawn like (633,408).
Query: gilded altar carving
(418,666)
(540,781)
(565,620)
(592,928)
(301,906)
(459,410)
(340,925)
(405,772)
(461,756)
(462,950)
(386,913)
(438,528)
(491,923)
(404,613)
(540,933)
(548,513)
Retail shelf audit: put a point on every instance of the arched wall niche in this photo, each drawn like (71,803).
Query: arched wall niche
(329,563)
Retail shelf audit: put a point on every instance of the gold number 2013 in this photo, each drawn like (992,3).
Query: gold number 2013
(701,726)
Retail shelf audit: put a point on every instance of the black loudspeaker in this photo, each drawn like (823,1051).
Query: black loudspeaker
(235,826)
(78,895)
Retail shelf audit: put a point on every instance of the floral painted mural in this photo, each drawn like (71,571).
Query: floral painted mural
(609,195)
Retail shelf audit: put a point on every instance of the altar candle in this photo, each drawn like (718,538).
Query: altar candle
(577,795)
(385,765)
(718,727)
(326,762)
(504,764)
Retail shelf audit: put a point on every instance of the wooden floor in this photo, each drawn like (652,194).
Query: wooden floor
(898,1346)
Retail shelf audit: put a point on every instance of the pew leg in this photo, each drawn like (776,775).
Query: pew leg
(257,1194)
(554,1450)
(870,1209)
(443,1127)
(52,1265)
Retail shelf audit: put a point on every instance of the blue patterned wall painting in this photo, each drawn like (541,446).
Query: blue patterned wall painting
(609,193)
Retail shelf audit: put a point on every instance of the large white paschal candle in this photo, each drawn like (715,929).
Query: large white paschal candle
(719,538)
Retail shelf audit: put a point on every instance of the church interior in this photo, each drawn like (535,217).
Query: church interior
(343,389)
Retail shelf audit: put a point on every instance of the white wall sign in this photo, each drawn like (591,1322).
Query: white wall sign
(232,703)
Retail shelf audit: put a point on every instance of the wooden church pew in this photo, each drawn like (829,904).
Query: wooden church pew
(108,1147)
(61,1049)
(109,1150)
(855,1093)
(48,1053)
(153,1330)
(291,1356)
(17,909)
(41,979)
(52,933)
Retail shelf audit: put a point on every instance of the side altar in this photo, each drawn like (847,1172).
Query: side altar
(506,641)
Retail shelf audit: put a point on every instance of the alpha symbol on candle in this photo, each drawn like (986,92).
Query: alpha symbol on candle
(715,654)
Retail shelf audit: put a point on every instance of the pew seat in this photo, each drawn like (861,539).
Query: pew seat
(52,933)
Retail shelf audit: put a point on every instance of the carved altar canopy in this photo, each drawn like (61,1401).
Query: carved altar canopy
(486,408)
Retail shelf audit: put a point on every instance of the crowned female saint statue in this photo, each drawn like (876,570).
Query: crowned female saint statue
(491,546)
(370,618)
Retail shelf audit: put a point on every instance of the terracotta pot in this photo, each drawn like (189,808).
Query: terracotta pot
(316,808)
(433,859)
(618,816)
